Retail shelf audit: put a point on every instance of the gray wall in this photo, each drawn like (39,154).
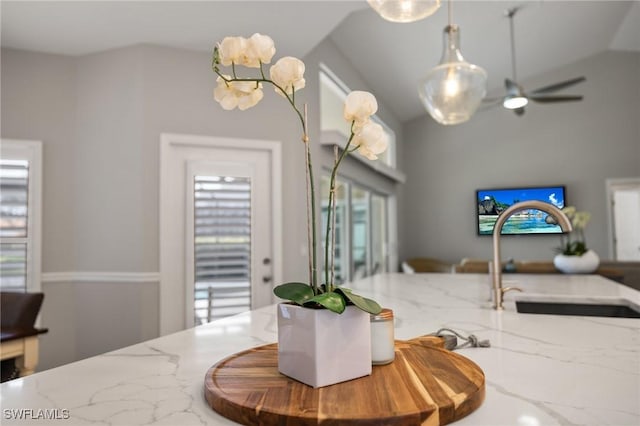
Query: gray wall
(579,145)
(39,102)
(90,318)
(178,98)
(100,118)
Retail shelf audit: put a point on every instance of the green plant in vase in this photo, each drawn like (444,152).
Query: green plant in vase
(574,243)
(286,76)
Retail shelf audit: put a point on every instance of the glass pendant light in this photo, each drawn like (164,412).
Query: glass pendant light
(453,90)
(404,10)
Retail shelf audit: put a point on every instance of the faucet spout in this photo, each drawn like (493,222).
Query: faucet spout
(561,218)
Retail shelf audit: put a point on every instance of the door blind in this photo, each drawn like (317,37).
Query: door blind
(14,195)
(222,246)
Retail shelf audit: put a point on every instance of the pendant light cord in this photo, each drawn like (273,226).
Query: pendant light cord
(450,8)
(511,13)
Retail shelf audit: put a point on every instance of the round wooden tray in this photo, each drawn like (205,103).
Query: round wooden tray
(424,385)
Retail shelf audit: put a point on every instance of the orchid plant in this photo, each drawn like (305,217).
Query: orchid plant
(573,243)
(286,76)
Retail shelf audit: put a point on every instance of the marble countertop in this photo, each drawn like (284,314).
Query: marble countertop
(540,369)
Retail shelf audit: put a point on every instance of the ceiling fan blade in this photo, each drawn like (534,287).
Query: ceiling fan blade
(558,86)
(557,98)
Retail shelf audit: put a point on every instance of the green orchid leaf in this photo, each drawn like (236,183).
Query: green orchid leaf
(298,293)
(367,305)
(332,301)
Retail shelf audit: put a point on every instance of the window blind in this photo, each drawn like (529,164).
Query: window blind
(14,196)
(222,246)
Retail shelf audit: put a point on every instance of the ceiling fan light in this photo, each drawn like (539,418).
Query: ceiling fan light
(515,101)
(453,90)
(404,10)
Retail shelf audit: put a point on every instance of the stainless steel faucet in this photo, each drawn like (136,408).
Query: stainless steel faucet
(561,218)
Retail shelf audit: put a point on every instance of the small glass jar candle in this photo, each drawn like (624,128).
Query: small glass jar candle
(382,338)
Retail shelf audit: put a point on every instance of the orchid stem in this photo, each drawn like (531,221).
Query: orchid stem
(311,208)
(333,227)
(332,190)
(311,195)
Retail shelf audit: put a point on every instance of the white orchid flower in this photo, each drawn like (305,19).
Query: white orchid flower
(569,211)
(359,106)
(249,94)
(288,73)
(581,219)
(225,95)
(371,140)
(260,49)
(240,94)
(232,50)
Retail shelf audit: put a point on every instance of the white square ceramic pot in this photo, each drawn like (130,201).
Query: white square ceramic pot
(320,348)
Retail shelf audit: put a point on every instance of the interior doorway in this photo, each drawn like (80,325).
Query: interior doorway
(624,218)
(220,227)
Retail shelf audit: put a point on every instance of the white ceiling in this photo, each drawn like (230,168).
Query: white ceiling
(392,58)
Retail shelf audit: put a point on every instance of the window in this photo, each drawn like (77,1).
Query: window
(222,247)
(361,230)
(333,126)
(366,231)
(379,234)
(341,265)
(20,212)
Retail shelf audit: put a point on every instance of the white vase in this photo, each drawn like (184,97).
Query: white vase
(585,264)
(320,348)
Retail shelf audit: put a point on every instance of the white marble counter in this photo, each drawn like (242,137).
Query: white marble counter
(540,369)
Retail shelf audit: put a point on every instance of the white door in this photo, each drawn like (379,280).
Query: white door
(220,206)
(625,215)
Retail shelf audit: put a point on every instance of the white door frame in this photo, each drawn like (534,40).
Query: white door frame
(612,184)
(172,320)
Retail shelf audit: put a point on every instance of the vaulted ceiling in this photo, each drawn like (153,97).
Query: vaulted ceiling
(391,57)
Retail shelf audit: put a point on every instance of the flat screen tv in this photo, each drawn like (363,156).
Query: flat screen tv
(491,202)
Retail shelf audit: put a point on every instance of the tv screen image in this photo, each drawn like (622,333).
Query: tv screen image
(492,202)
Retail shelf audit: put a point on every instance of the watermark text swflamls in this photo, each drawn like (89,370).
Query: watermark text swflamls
(35,414)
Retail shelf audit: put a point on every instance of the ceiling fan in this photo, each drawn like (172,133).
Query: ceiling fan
(516,98)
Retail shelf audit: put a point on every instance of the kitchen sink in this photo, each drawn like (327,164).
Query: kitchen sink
(579,309)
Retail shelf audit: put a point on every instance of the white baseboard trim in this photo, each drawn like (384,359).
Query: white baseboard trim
(118,277)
